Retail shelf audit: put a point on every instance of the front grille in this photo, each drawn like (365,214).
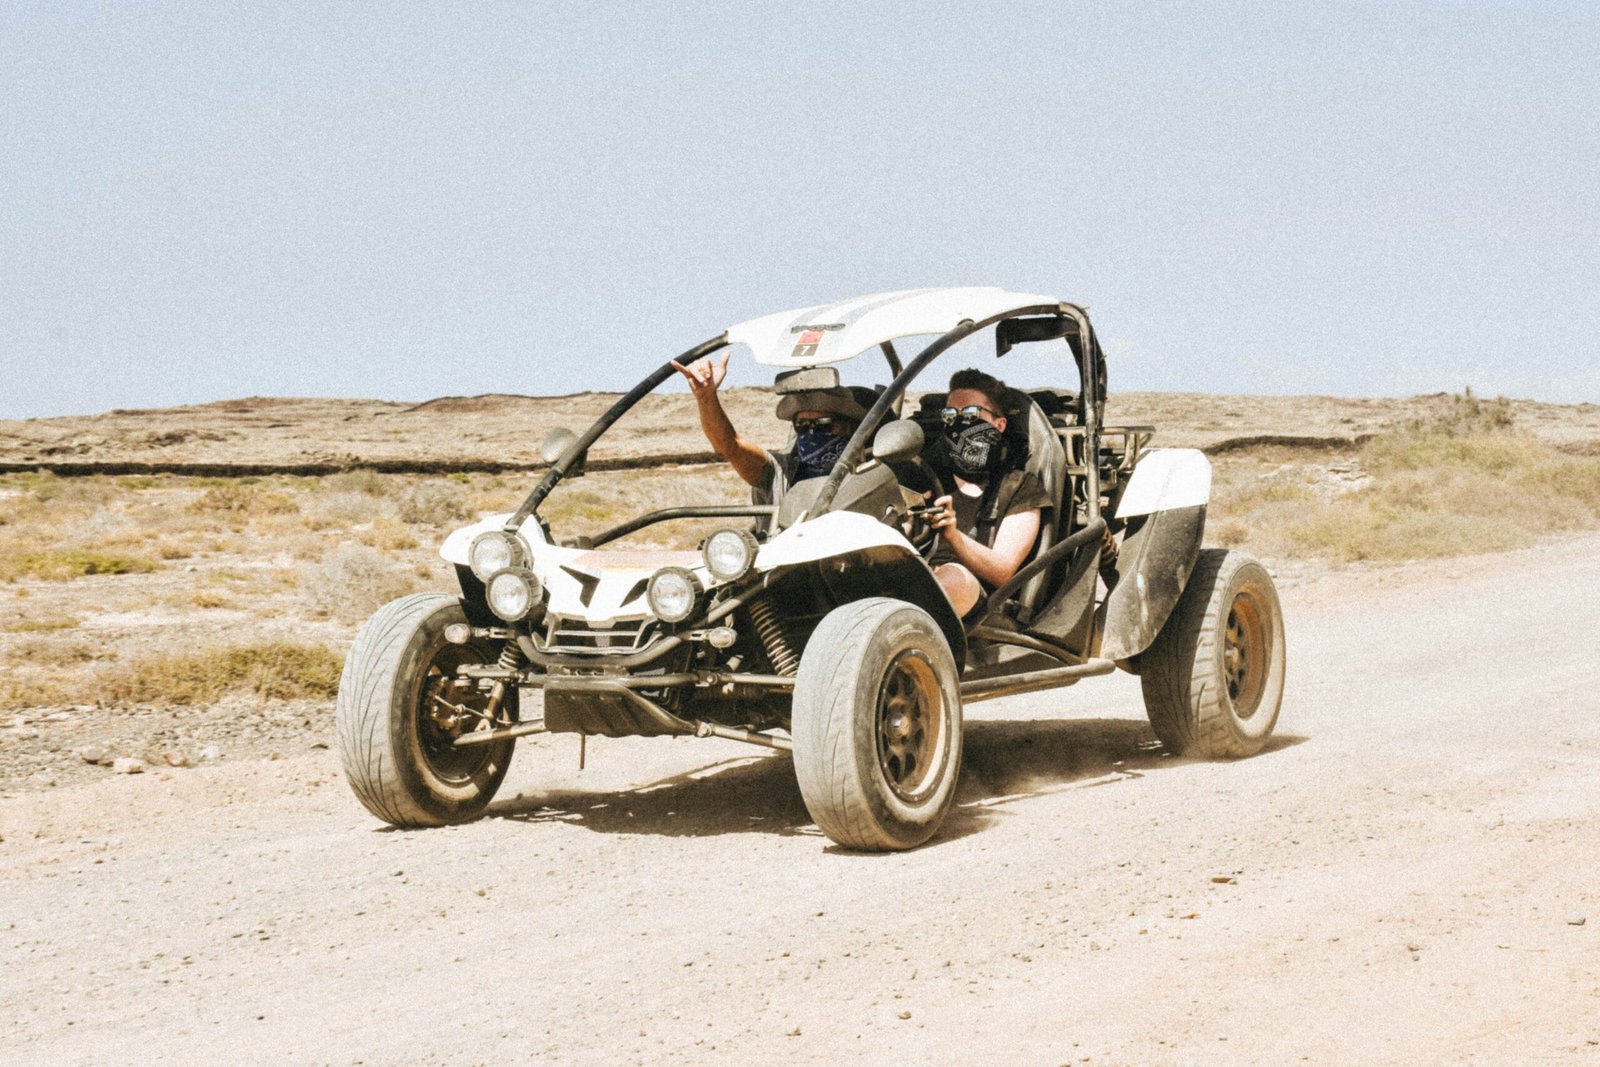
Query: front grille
(576,635)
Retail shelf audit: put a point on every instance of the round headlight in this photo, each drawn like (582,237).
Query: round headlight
(495,551)
(512,594)
(729,554)
(672,593)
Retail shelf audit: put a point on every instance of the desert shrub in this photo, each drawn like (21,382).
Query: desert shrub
(388,534)
(353,581)
(61,564)
(344,509)
(1465,415)
(244,501)
(274,670)
(86,492)
(59,651)
(33,690)
(366,482)
(432,504)
(1431,494)
(45,624)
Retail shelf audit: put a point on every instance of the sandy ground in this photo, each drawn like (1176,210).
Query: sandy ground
(1405,876)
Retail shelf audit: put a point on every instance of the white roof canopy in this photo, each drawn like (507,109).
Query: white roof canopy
(832,333)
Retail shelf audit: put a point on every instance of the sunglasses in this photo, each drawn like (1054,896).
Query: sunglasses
(821,422)
(970,413)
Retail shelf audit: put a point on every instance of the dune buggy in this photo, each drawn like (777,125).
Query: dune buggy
(814,622)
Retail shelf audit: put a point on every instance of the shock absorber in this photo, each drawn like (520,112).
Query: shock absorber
(773,639)
(511,659)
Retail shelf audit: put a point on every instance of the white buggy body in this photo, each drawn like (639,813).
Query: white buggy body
(816,623)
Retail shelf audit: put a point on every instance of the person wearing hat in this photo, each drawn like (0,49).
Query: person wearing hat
(823,421)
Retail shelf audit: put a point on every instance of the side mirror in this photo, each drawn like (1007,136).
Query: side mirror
(556,443)
(898,440)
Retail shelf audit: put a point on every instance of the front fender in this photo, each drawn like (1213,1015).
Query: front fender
(459,542)
(835,534)
(878,562)
(1164,507)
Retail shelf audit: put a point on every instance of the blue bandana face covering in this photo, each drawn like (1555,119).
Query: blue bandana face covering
(815,453)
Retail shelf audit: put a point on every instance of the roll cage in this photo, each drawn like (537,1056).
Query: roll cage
(1039,318)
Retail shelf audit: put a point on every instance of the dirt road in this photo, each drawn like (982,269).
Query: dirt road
(1408,875)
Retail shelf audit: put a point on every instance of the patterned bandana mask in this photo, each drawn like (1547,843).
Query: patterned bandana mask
(972,451)
(815,453)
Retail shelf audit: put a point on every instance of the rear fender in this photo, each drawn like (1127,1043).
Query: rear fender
(1164,507)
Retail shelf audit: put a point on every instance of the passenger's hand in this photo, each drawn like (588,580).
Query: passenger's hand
(941,513)
(705,374)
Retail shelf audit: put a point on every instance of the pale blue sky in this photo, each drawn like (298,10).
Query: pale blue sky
(203,200)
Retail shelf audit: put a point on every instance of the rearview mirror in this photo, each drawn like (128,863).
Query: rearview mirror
(556,443)
(1021,331)
(806,380)
(898,440)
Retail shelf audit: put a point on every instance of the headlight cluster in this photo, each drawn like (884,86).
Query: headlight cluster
(513,594)
(500,562)
(495,551)
(672,594)
(730,554)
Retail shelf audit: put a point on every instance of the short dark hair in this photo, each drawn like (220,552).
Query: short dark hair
(987,384)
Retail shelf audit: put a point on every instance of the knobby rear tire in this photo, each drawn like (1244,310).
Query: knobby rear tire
(1213,678)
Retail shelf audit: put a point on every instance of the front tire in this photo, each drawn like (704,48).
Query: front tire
(398,757)
(1213,677)
(877,725)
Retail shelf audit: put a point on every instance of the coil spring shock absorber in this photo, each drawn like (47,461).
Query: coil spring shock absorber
(773,639)
(511,659)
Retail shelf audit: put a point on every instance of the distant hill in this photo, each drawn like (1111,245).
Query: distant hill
(501,431)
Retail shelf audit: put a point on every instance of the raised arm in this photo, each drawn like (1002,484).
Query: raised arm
(705,375)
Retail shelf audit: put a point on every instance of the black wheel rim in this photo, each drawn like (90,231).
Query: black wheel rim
(911,726)
(1245,653)
(439,722)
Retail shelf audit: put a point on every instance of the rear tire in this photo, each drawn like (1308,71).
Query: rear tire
(1213,677)
(877,725)
(398,758)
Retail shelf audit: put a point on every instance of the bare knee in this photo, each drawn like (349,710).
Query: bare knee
(960,585)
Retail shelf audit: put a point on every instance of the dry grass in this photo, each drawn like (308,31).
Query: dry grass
(1456,479)
(243,500)
(275,670)
(45,624)
(353,581)
(1460,480)
(61,564)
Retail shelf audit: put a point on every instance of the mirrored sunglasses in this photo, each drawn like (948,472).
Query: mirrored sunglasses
(821,422)
(970,413)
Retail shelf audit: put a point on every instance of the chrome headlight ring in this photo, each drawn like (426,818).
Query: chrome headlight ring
(495,551)
(514,593)
(673,594)
(729,554)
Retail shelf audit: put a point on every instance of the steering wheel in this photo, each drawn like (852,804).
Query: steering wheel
(923,537)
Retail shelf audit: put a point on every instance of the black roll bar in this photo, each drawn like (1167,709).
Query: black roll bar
(857,446)
(575,451)
(707,511)
(1049,558)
